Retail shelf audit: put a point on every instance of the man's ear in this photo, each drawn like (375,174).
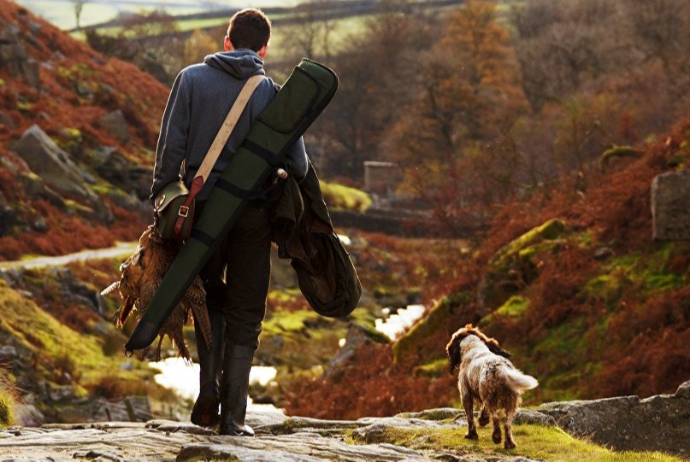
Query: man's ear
(262,52)
(227,44)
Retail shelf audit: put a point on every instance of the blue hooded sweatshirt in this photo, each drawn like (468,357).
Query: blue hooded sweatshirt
(199,101)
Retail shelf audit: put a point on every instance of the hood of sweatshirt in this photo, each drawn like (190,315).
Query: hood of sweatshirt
(240,64)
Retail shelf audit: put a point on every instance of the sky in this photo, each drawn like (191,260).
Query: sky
(61,12)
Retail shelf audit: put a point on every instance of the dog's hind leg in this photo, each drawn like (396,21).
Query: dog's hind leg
(484,417)
(509,443)
(468,404)
(496,435)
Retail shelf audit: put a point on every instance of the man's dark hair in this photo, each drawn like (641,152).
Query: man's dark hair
(249,28)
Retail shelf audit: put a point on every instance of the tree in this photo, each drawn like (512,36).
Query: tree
(661,29)
(377,68)
(563,46)
(468,97)
(197,46)
(78,8)
(467,90)
(310,34)
(149,40)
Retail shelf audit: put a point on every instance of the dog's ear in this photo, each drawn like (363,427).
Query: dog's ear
(491,343)
(494,348)
(453,352)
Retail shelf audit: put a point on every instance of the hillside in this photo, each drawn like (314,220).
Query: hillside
(570,282)
(83,184)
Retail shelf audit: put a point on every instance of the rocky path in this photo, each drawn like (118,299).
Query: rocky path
(279,439)
(623,423)
(123,249)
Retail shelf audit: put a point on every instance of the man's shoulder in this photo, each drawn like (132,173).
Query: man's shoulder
(195,70)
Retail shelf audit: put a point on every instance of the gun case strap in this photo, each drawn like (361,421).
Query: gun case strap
(228,126)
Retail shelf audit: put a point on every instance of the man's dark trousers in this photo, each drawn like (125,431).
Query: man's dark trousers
(244,259)
(236,279)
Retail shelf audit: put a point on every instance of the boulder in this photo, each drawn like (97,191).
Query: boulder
(51,163)
(15,58)
(129,409)
(127,175)
(670,212)
(6,121)
(116,125)
(357,336)
(659,423)
(27,415)
(34,186)
(8,353)
(7,216)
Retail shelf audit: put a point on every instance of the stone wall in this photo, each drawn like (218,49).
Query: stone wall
(671,206)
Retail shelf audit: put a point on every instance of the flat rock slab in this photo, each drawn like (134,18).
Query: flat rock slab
(295,447)
(659,423)
(279,439)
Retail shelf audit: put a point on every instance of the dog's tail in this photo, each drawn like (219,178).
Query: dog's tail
(518,381)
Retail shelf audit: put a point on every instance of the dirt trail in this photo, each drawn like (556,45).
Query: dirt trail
(122,249)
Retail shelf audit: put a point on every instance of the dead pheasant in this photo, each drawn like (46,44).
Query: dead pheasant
(141,276)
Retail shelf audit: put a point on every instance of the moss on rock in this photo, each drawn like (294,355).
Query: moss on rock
(549,231)
(7,403)
(340,197)
(534,442)
(441,318)
(435,368)
(514,265)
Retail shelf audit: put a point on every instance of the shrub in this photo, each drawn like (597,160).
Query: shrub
(113,343)
(8,399)
(342,197)
(112,386)
(65,364)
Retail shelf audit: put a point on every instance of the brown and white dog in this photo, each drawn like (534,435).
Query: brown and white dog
(489,378)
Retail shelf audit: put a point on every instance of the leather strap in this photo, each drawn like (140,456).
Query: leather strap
(228,126)
(218,143)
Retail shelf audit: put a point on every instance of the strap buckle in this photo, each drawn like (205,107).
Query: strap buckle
(183,212)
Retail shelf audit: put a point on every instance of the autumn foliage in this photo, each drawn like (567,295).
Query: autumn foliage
(592,328)
(77,88)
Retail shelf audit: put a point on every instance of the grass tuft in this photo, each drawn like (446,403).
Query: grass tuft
(534,442)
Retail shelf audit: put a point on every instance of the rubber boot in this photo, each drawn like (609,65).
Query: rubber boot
(205,411)
(234,387)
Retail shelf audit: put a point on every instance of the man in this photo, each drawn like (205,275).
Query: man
(237,276)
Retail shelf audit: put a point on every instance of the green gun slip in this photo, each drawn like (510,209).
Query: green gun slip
(306,93)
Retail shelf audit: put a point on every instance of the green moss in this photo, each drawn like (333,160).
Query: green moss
(339,197)
(436,368)
(77,208)
(436,415)
(551,230)
(7,403)
(618,151)
(564,349)
(289,321)
(608,287)
(70,139)
(436,320)
(24,107)
(678,159)
(648,273)
(662,282)
(103,188)
(37,330)
(533,441)
(514,307)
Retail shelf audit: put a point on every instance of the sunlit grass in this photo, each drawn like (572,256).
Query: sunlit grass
(533,441)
